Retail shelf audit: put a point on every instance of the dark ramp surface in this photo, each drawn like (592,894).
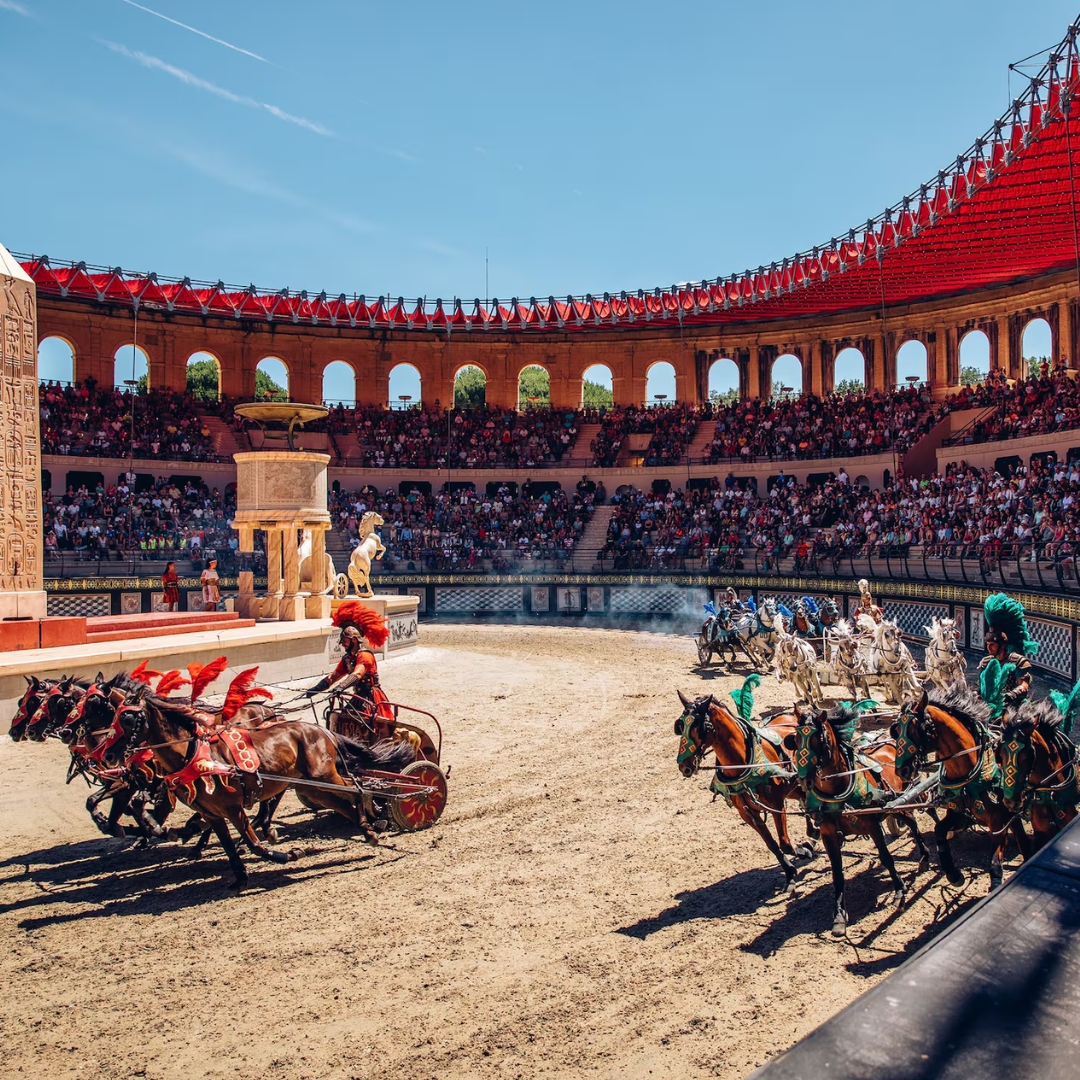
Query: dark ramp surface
(997,995)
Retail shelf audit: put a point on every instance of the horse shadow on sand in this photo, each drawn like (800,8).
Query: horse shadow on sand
(104,877)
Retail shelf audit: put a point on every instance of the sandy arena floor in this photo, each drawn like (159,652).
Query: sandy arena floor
(580,910)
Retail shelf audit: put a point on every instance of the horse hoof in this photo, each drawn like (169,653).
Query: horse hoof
(839,928)
(924,865)
(238,884)
(791,886)
(294,855)
(957,879)
(380,825)
(278,856)
(805,851)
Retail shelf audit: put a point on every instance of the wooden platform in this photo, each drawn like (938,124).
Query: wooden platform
(160,624)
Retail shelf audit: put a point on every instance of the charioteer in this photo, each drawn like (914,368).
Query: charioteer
(866,603)
(1008,641)
(366,714)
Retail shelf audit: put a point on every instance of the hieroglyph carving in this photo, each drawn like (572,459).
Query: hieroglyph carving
(20,454)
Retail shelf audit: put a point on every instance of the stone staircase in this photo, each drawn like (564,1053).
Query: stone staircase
(579,449)
(226,441)
(595,534)
(700,443)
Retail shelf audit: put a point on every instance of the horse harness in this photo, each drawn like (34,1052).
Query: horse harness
(860,791)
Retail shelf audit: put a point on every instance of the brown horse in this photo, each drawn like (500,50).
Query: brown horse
(954,725)
(752,772)
(29,703)
(1038,769)
(203,775)
(838,777)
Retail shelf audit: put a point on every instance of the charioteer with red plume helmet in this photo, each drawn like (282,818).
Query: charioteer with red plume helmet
(365,714)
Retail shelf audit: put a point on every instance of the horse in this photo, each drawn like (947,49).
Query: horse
(889,658)
(203,774)
(945,664)
(795,661)
(848,661)
(59,699)
(29,703)
(955,727)
(806,618)
(1038,768)
(367,550)
(828,612)
(752,772)
(837,777)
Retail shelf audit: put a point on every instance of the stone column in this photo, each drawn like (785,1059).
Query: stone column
(22,594)
(292,603)
(272,604)
(317,606)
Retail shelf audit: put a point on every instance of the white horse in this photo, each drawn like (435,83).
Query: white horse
(795,661)
(890,659)
(848,661)
(945,663)
(369,549)
(334,582)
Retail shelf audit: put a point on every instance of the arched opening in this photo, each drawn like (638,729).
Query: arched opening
(849,372)
(724,382)
(911,364)
(131,369)
(404,387)
(56,361)
(204,376)
(1036,347)
(596,387)
(534,388)
(271,380)
(786,376)
(974,358)
(470,388)
(660,384)
(339,384)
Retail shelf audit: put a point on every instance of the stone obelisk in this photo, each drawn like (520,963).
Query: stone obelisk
(21,592)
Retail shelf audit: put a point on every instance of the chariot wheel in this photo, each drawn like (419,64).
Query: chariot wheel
(704,653)
(341,587)
(412,812)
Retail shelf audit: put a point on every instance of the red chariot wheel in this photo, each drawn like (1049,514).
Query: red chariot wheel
(412,812)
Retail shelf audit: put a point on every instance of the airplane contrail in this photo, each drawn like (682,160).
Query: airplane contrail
(201,33)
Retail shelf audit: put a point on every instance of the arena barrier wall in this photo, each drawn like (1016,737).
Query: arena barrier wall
(996,994)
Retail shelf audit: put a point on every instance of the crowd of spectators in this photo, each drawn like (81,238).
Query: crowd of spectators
(671,427)
(125,521)
(86,419)
(460,529)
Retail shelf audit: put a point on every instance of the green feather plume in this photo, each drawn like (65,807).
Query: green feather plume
(992,684)
(1003,613)
(744,696)
(864,705)
(1067,705)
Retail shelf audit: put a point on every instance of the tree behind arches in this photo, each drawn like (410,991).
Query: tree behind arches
(266,389)
(202,380)
(470,388)
(595,395)
(534,382)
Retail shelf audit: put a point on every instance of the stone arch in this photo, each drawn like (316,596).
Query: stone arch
(56,359)
(849,366)
(974,355)
(534,387)
(275,384)
(1036,343)
(131,364)
(470,387)
(724,381)
(599,392)
(205,381)
(787,370)
(911,359)
(339,384)
(404,387)
(660,383)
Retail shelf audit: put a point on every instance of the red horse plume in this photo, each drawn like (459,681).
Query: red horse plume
(241,690)
(145,675)
(169,682)
(353,613)
(202,675)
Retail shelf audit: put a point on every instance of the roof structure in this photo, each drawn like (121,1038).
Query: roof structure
(1005,210)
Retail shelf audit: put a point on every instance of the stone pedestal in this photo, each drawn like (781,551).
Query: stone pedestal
(400,615)
(22,595)
(282,492)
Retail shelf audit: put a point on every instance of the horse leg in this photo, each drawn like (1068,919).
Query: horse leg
(754,818)
(831,838)
(242,824)
(802,851)
(887,860)
(941,835)
(264,822)
(121,800)
(920,844)
(220,828)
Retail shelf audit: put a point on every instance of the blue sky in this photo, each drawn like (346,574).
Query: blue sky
(385,149)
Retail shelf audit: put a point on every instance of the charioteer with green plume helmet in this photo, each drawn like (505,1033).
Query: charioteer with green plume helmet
(1005,672)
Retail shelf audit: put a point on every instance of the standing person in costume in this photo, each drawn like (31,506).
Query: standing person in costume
(866,603)
(1008,641)
(170,584)
(357,672)
(211,588)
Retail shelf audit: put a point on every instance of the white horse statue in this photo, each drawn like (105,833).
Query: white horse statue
(369,549)
(795,661)
(890,659)
(945,663)
(848,661)
(335,583)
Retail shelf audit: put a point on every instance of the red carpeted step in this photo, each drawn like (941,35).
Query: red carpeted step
(130,633)
(134,623)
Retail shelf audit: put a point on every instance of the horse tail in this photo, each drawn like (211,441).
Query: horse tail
(387,754)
